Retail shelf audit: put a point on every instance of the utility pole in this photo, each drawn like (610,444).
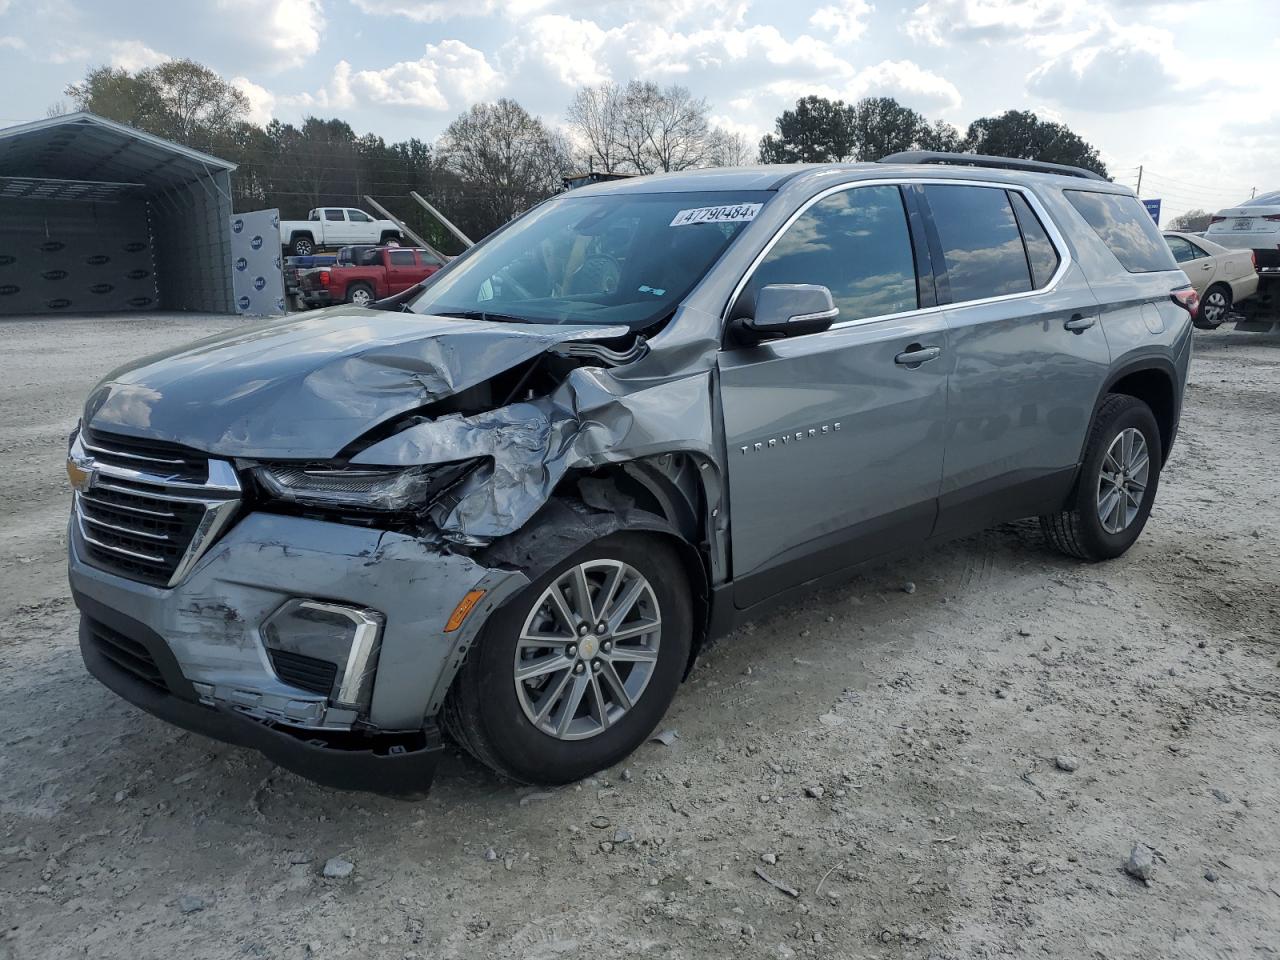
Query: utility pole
(1138,189)
(1253,192)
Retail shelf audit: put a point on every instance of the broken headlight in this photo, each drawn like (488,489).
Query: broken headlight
(394,489)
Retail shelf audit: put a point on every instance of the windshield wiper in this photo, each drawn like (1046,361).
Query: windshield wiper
(481,315)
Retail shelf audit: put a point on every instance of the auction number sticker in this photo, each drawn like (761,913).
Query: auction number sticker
(729,213)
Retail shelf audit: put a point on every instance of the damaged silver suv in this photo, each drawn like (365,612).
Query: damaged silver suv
(514,503)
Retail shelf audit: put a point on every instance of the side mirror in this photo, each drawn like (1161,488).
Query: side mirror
(789,310)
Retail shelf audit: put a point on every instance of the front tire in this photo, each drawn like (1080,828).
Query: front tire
(548,696)
(302,247)
(360,295)
(1117,484)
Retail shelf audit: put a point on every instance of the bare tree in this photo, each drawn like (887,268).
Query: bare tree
(510,159)
(664,129)
(595,118)
(730,149)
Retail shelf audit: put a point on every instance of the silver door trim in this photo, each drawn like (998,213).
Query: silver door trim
(1056,238)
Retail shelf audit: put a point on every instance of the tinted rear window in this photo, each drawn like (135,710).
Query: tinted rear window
(1124,225)
(980,241)
(1041,254)
(402,258)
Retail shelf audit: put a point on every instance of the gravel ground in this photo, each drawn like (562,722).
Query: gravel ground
(871,774)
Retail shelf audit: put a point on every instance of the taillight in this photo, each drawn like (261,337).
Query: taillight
(324,278)
(1253,255)
(1216,219)
(1187,299)
(1273,217)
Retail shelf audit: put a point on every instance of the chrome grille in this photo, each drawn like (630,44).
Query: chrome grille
(149,510)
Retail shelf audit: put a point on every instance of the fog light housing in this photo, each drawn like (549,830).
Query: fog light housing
(311,635)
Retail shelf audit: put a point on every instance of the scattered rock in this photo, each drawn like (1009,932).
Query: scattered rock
(535,797)
(190,904)
(1066,763)
(769,858)
(1211,875)
(622,836)
(666,737)
(626,774)
(908,587)
(601,822)
(336,868)
(606,846)
(1024,632)
(490,855)
(815,791)
(832,720)
(1141,864)
(1002,694)
(1221,795)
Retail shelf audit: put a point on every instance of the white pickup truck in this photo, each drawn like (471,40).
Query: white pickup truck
(334,227)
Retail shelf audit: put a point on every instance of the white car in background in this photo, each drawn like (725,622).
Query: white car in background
(1221,276)
(1251,225)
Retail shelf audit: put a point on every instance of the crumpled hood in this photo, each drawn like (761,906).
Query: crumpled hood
(308,386)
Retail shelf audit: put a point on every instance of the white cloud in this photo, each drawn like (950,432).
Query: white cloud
(337,95)
(134,55)
(448,76)
(1113,70)
(12,43)
(567,49)
(289,30)
(908,82)
(846,20)
(262,101)
(943,22)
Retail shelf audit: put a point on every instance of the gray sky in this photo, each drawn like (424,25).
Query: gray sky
(1185,87)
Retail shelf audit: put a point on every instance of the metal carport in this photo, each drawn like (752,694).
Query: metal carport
(97,216)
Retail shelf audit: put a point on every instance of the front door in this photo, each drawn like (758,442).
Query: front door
(835,439)
(402,271)
(1029,355)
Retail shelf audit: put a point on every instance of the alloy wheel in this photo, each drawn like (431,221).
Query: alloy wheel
(1122,482)
(588,649)
(361,297)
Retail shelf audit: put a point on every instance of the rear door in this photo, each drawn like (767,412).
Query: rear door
(335,226)
(835,438)
(1030,355)
(1195,263)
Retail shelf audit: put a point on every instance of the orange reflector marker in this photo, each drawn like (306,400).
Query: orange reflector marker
(464,607)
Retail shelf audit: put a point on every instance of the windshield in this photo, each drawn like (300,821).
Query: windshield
(608,259)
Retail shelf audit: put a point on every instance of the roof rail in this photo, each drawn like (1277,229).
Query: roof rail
(980,160)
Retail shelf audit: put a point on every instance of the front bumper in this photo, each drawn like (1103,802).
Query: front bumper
(205,635)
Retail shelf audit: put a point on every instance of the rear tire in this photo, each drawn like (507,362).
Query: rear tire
(1214,307)
(1116,487)
(495,717)
(387,237)
(360,295)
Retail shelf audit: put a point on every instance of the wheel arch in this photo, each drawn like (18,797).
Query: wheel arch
(662,496)
(1153,381)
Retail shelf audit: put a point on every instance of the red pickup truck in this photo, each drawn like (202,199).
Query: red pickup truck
(376,273)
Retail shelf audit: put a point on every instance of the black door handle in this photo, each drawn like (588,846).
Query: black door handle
(917,354)
(1079,323)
